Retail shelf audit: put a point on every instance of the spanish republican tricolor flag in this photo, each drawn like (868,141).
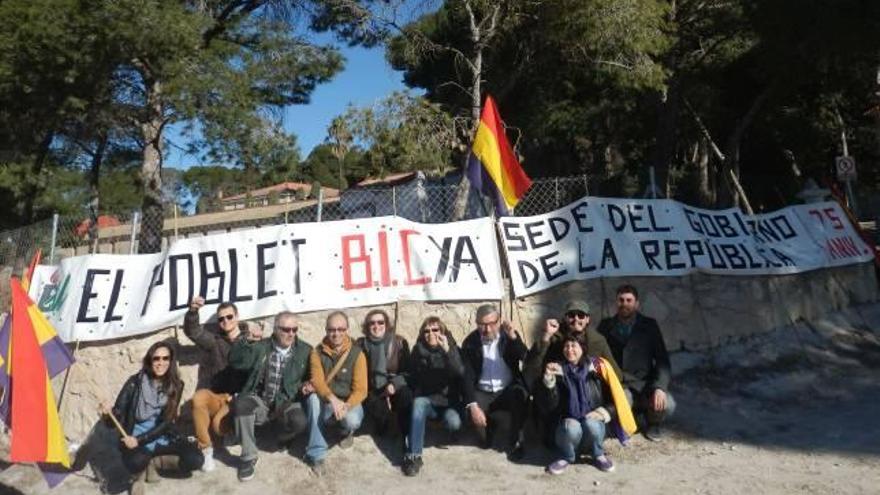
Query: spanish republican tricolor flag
(31,353)
(492,167)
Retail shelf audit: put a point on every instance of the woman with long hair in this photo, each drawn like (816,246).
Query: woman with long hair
(146,407)
(387,356)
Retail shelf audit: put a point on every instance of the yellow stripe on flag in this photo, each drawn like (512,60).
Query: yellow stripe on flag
(56,448)
(488,151)
(42,328)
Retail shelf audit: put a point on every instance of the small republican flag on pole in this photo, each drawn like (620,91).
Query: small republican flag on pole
(492,167)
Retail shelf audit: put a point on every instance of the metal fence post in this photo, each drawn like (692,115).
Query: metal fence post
(586,186)
(54,238)
(320,204)
(556,191)
(135,216)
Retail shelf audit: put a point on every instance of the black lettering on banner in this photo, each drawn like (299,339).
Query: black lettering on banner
(785,260)
(444,256)
(672,248)
(694,249)
(533,235)
(742,224)
(710,230)
(617,217)
(547,266)
(653,221)
(295,244)
(87,295)
(580,219)
(733,258)
(751,261)
(695,225)
(608,254)
(114,298)
(458,259)
(766,258)
(155,281)
(765,231)
(581,256)
(783,226)
(233,278)
(510,235)
(528,279)
(650,251)
(208,274)
(174,281)
(715,258)
(559,227)
(262,268)
(724,226)
(635,219)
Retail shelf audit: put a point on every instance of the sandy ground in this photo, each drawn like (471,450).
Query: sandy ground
(803,421)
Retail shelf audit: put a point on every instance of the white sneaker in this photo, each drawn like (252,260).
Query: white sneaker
(209,464)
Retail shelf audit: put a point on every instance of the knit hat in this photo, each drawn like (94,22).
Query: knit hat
(577,305)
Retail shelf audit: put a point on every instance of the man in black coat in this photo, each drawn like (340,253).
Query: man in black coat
(639,350)
(494,390)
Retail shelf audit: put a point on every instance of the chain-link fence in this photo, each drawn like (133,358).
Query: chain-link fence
(419,200)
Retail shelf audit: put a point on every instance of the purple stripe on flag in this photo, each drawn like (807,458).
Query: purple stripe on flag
(57,355)
(481,181)
(54,474)
(5,394)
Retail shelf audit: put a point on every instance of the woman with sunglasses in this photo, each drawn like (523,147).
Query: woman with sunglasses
(435,374)
(146,407)
(387,357)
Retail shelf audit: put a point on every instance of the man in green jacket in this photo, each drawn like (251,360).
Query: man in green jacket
(278,371)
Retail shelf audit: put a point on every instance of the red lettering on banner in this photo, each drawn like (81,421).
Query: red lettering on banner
(404,246)
(385,271)
(831,215)
(348,260)
(842,247)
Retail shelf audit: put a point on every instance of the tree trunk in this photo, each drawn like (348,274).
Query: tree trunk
(94,194)
(665,134)
(729,196)
(152,218)
(705,192)
(33,183)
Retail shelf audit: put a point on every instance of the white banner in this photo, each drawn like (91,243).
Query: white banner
(603,237)
(296,267)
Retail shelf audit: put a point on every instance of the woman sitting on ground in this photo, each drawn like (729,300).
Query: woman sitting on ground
(387,355)
(146,408)
(435,374)
(586,395)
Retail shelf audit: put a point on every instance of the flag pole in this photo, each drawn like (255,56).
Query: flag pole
(67,374)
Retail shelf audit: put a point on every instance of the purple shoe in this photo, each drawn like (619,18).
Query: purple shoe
(557,467)
(603,463)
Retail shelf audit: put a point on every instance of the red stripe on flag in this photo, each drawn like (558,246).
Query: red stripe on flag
(513,172)
(28,383)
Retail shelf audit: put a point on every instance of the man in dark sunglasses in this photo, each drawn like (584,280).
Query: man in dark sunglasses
(276,391)
(218,383)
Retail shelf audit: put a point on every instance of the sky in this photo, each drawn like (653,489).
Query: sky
(367,78)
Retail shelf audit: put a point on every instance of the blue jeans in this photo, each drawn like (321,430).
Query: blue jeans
(573,435)
(320,416)
(423,410)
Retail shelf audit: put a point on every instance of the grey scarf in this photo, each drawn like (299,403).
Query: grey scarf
(377,351)
(151,401)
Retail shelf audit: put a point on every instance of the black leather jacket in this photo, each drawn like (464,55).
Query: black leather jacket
(126,405)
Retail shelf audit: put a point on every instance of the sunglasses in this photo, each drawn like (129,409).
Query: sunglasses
(580,315)
(339,329)
(432,330)
(156,359)
(288,329)
(489,323)
(376,322)
(226,317)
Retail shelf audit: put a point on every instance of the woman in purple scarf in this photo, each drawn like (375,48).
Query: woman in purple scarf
(581,399)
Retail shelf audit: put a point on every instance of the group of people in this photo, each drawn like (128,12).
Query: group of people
(580,385)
